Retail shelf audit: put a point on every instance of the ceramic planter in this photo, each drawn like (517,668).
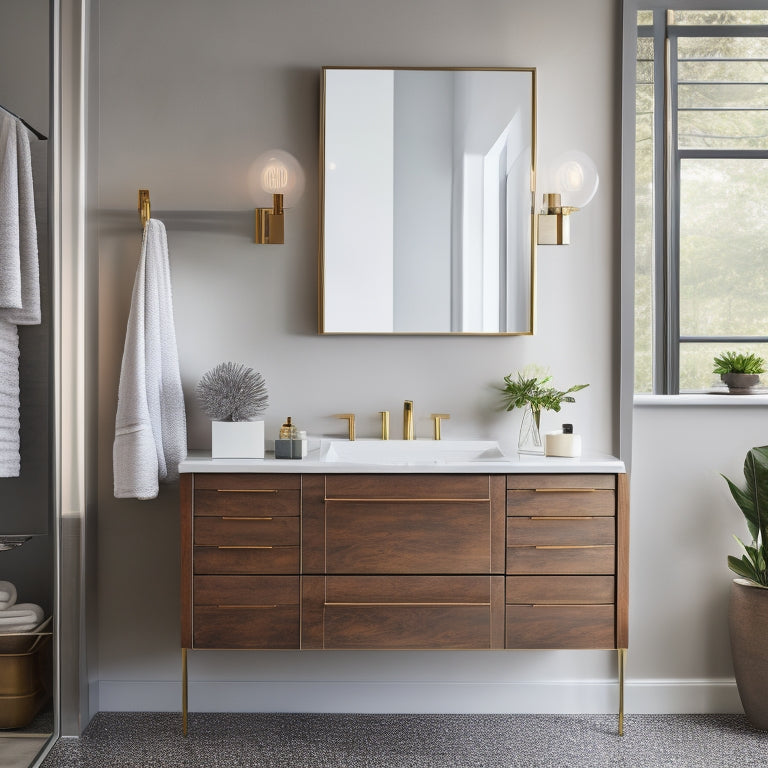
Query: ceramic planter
(748,625)
(740,383)
(237,439)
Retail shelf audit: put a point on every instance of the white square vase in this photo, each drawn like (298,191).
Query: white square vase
(237,439)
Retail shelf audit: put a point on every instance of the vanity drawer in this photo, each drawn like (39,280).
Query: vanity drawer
(565,502)
(247,503)
(407,537)
(561,559)
(246,627)
(374,487)
(526,531)
(560,626)
(276,531)
(244,559)
(246,481)
(404,612)
(560,590)
(246,590)
(561,482)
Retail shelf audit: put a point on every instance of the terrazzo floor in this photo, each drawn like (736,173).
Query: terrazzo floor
(144,740)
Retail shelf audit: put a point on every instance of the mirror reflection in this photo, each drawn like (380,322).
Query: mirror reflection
(427,201)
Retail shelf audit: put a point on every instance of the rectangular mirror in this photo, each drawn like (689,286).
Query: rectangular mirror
(427,200)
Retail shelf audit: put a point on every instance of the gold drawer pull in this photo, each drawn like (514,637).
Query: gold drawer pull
(240,546)
(564,490)
(564,517)
(566,605)
(408,501)
(572,546)
(246,607)
(247,490)
(407,605)
(235,517)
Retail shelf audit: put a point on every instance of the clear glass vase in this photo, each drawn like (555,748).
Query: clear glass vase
(530,432)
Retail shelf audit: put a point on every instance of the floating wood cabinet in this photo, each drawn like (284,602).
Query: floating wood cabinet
(430,561)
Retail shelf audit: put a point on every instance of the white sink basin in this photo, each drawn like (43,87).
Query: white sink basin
(410,452)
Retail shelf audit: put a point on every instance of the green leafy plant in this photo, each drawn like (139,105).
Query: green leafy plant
(734,362)
(536,392)
(753,502)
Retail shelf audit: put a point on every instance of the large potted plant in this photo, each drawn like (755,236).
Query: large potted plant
(748,605)
(534,393)
(739,372)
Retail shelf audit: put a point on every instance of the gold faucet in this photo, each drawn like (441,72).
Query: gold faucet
(437,418)
(408,420)
(350,417)
(384,425)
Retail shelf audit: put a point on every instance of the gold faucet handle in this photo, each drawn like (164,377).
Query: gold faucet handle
(350,417)
(437,418)
(384,425)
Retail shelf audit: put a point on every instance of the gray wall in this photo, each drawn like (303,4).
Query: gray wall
(186,102)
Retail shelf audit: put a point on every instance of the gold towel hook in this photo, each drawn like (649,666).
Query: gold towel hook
(144,207)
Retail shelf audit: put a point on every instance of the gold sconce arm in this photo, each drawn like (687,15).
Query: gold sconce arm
(270,223)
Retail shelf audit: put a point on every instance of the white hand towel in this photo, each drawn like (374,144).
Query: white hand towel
(150,425)
(10,457)
(8,595)
(22,617)
(19,265)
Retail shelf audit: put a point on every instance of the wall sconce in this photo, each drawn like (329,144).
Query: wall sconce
(279,174)
(575,178)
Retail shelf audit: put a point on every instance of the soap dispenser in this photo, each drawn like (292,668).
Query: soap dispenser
(288,431)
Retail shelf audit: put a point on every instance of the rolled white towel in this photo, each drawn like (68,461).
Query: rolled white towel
(8,595)
(22,617)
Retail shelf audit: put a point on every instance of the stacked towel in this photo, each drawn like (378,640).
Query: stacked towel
(22,617)
(8,595)
(19,277)
(150,425)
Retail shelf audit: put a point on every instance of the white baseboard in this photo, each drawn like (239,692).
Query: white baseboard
(567,697)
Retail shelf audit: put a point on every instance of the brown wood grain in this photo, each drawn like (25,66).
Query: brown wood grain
(407,537)
(222,531)
(560,590)
(275,560)
(561,626)
(246,590)
(230,627)
(622,562)
(246,480)
(524,531)
(408,486)
(561,504)
(248,504)
(313,524)
(412,589)
(498,522)
(565,480)
(598,560)
(312,605)
(186,485)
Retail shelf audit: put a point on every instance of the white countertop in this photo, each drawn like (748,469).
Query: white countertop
(201,461)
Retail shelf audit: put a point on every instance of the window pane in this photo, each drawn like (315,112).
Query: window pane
(696,364)
(644,18)
(722,130)
(752,71)
(644,225)
(722,96)
(723,247)
(737,49)
(720,17)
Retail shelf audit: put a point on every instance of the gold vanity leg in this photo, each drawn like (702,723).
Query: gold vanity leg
(184,710)
(622,662)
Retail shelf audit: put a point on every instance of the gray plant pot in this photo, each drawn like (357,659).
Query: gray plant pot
(748,625)
(741,383)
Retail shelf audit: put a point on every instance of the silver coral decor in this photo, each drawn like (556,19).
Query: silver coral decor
(232,392)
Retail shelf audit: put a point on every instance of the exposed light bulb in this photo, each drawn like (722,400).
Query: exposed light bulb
(275,172)
(274,177)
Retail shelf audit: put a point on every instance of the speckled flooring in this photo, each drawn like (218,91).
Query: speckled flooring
(142,740)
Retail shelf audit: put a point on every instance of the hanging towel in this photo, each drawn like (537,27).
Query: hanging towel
(19,278)
(150,426)
(22,617)
(8,595)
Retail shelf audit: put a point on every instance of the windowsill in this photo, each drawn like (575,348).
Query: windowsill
(701,398)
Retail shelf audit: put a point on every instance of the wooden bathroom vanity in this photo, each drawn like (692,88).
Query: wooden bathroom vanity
(309,558)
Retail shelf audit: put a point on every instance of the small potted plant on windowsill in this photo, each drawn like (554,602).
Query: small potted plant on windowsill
(739,372)
(532,392)
(748,605)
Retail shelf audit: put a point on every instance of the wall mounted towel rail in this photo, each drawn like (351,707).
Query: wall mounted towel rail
(145,211)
